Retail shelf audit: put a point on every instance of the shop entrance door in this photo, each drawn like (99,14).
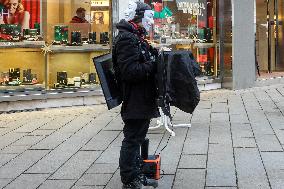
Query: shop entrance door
(270,35)
(280,59)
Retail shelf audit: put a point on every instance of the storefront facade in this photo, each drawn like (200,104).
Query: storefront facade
(46,52)
(47,47)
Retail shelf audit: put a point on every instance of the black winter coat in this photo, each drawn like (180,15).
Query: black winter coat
(133,59)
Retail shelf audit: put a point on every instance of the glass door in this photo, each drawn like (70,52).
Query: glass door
(280,36)
(270,35)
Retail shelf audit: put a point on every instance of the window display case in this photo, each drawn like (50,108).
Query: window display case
(49,45)
(188,25)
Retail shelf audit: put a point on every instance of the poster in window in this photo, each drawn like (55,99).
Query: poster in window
(21,12)
(100,17)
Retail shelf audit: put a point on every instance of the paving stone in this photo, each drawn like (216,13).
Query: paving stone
(33,125)
(220,133)
(27,181)
(193,161)
(117,141)
(52,141)
(94,179)
(239,118)
(110,155)
(4,158)
(220,167)
(165,182)
(219,117)
(63,152)
(195,146)
(114,182)
(57,123)
(241,130)
(268,143)
(101,141)
(199,130)
(115,125)
(14,149)
(10,138)
(201,116)
(4,182)
(280,135)
(103,168)
(62,184)
(18,165)
(28,140)
(243,142)
(219,107)
(203,104)
(14,124)
(76,124)
(195,178)
(250,170)
(261,128)
(88,187)
(221,187)
(275,95)
(77,165)
(41,133)
(274,165)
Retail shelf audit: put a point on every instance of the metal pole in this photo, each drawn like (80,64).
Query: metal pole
(269,36)
(221,38)
(277,32)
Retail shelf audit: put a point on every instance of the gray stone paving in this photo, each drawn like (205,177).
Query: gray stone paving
(236,142)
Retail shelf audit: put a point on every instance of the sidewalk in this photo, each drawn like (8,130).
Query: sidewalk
(236,141)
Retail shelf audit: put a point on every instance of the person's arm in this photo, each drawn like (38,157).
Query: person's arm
(25,20)
(128,59)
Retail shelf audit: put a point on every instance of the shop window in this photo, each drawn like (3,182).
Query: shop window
(22,65)
(188,25)
(50,44)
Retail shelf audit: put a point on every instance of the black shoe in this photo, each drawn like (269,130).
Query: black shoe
(135,184)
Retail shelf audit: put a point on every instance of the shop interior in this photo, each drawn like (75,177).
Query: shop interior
(53,45)
(270,38)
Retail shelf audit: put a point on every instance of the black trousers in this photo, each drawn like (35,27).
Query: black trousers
(135,131)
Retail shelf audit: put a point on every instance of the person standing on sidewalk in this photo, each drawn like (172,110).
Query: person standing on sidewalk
(134,62)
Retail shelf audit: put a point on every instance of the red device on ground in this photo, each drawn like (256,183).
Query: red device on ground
(151,163)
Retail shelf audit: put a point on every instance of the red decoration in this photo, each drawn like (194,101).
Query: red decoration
(158,7)
(33,7)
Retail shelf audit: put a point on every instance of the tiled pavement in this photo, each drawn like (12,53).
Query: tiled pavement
(236,141)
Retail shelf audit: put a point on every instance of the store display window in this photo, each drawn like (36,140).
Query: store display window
(77,29)
(46,45)
(188,25)
(20,26)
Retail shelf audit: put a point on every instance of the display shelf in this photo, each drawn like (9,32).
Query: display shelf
(203,45)
(83,48)
(21,88)
(22,44)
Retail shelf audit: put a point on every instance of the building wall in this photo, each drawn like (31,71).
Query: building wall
(243,44)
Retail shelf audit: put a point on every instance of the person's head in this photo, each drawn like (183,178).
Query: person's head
(81,12)
(142,15)
(14,6)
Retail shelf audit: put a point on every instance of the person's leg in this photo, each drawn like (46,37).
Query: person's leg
(134,134)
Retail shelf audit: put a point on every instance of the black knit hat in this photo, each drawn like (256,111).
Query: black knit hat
(140,10)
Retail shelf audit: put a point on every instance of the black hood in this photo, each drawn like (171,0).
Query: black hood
(123,25)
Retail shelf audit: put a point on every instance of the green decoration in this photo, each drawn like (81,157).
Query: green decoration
(166,12)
